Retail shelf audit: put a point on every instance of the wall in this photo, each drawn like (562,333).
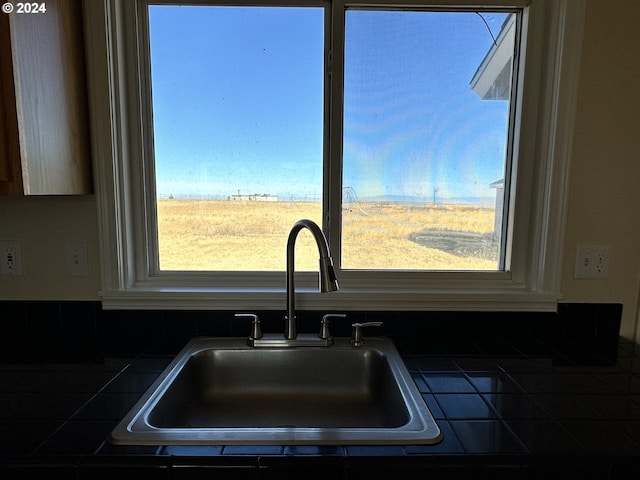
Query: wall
(44,225)
(604,199)
(603,203)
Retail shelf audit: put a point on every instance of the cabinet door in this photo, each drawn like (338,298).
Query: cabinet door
(10,174)
(51,100)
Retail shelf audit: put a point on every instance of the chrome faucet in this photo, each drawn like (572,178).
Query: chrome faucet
(328,280)
(328,283)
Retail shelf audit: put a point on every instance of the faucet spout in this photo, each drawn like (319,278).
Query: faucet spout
(328,280)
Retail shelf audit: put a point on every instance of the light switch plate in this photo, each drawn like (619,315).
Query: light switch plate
(77,259)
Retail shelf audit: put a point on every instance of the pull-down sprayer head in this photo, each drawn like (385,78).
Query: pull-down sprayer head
(328,279)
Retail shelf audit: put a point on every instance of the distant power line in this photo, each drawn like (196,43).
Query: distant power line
(350,198)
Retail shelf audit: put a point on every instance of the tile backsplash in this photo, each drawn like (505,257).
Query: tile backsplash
(55,323)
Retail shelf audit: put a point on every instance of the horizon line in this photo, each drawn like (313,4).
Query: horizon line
(311,198)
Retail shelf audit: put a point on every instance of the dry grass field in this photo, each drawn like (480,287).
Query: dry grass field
(232,235)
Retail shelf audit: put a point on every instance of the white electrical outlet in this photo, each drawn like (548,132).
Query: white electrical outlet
(10,258)
(77,260)
(592,261)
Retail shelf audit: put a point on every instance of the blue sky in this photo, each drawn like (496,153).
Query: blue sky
(238,102)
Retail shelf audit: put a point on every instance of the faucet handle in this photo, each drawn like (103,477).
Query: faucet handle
(324,324)
(256,332)
(356,332)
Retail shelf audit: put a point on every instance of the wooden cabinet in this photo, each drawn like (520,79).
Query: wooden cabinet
(44,133)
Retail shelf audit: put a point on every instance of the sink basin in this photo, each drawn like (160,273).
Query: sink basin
(220,391)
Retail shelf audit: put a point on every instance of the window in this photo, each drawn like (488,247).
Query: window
(238,133)
(238,136)
(420,149)
(430,141)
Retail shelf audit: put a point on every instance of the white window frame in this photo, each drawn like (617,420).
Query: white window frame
(547,83)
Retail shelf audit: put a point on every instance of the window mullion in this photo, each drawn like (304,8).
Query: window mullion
(333,178)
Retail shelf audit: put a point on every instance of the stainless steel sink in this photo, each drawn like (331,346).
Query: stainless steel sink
(220,391)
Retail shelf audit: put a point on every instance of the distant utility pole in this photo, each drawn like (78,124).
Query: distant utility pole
(435,192)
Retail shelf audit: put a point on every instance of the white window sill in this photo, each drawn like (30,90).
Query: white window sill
(346,299)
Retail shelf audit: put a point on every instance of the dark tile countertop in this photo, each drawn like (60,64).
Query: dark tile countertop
(508,409)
